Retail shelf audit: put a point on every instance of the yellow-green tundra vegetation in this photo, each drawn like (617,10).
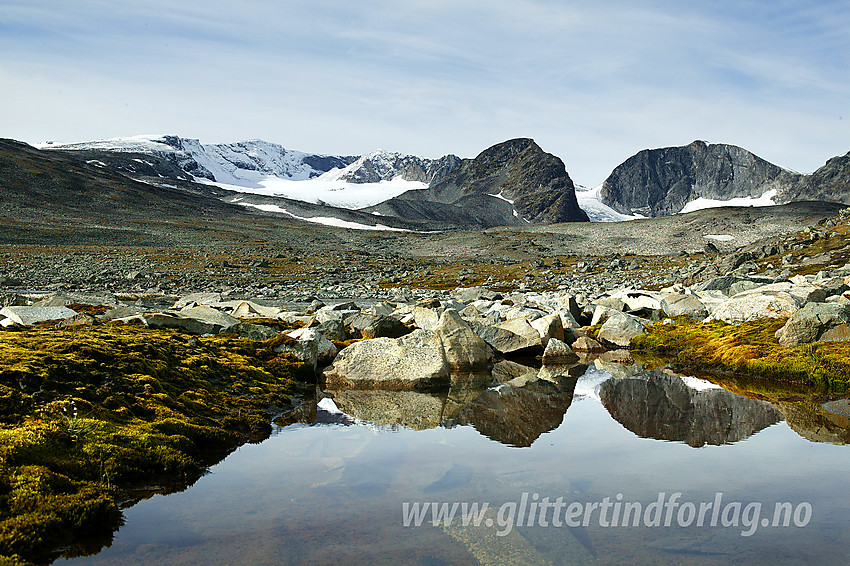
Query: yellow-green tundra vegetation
(751,351)
(90,416)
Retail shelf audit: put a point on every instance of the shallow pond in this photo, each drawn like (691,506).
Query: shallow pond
(601,447)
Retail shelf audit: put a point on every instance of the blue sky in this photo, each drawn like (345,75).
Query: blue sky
(592,82)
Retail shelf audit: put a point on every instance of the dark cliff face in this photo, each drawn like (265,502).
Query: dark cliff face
(659,182)
(514,182)
(657,405)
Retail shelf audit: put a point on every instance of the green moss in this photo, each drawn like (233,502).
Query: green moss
(749,349)
(88,414)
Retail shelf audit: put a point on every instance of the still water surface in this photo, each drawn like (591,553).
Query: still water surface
(333,489)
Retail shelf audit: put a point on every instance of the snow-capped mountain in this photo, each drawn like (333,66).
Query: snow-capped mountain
(383,165)
(267,169)
(244,163)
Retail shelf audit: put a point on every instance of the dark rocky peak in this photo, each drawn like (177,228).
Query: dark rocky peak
(534,182)
(659,182)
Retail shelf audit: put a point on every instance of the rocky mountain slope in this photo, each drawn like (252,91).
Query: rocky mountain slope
(247,163)
(511,183)
(515,182)
(37,185)
(829,183)
(660,182)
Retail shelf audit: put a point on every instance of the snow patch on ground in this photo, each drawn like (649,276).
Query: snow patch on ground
(720,237)
(701,203)
(326,220)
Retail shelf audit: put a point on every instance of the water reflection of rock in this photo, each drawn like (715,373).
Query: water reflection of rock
(816,423)
(412,409)
(518,414)
(656,404)
(514,412)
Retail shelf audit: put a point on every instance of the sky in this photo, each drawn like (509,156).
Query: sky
(591,82)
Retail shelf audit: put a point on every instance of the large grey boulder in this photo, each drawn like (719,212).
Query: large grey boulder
(464,350)
(211,315)
(619,330)
(679,304)
(249,309)
(385,327)
(305,351)
(325,349)
(121,311)
(756,304)
(602,313)
(586,344)
(501,340)
(549,327)
(195,299)
(639,300)
(336,312)
(415,361)
(816,322)
(25,316)
(522,327)
(333,330)
(425,318)
(177,322)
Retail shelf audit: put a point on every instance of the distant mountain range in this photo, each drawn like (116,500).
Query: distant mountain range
(511,183)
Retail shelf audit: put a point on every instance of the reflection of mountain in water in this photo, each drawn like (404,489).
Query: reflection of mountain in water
(815,424)
(515,413)
(412,409)
(519,415)
(658,405)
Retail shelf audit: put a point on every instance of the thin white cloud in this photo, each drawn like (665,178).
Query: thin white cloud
(592,82)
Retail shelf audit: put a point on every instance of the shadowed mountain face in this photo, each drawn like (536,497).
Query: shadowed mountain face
(658,405)
(514,182)
(659,182)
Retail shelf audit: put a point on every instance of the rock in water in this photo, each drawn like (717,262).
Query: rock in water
(415,361)
(325,349)
(619,330)
(463,349)
(558,353)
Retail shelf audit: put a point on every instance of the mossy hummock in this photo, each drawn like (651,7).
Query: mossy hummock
(90,414)
(749,349)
